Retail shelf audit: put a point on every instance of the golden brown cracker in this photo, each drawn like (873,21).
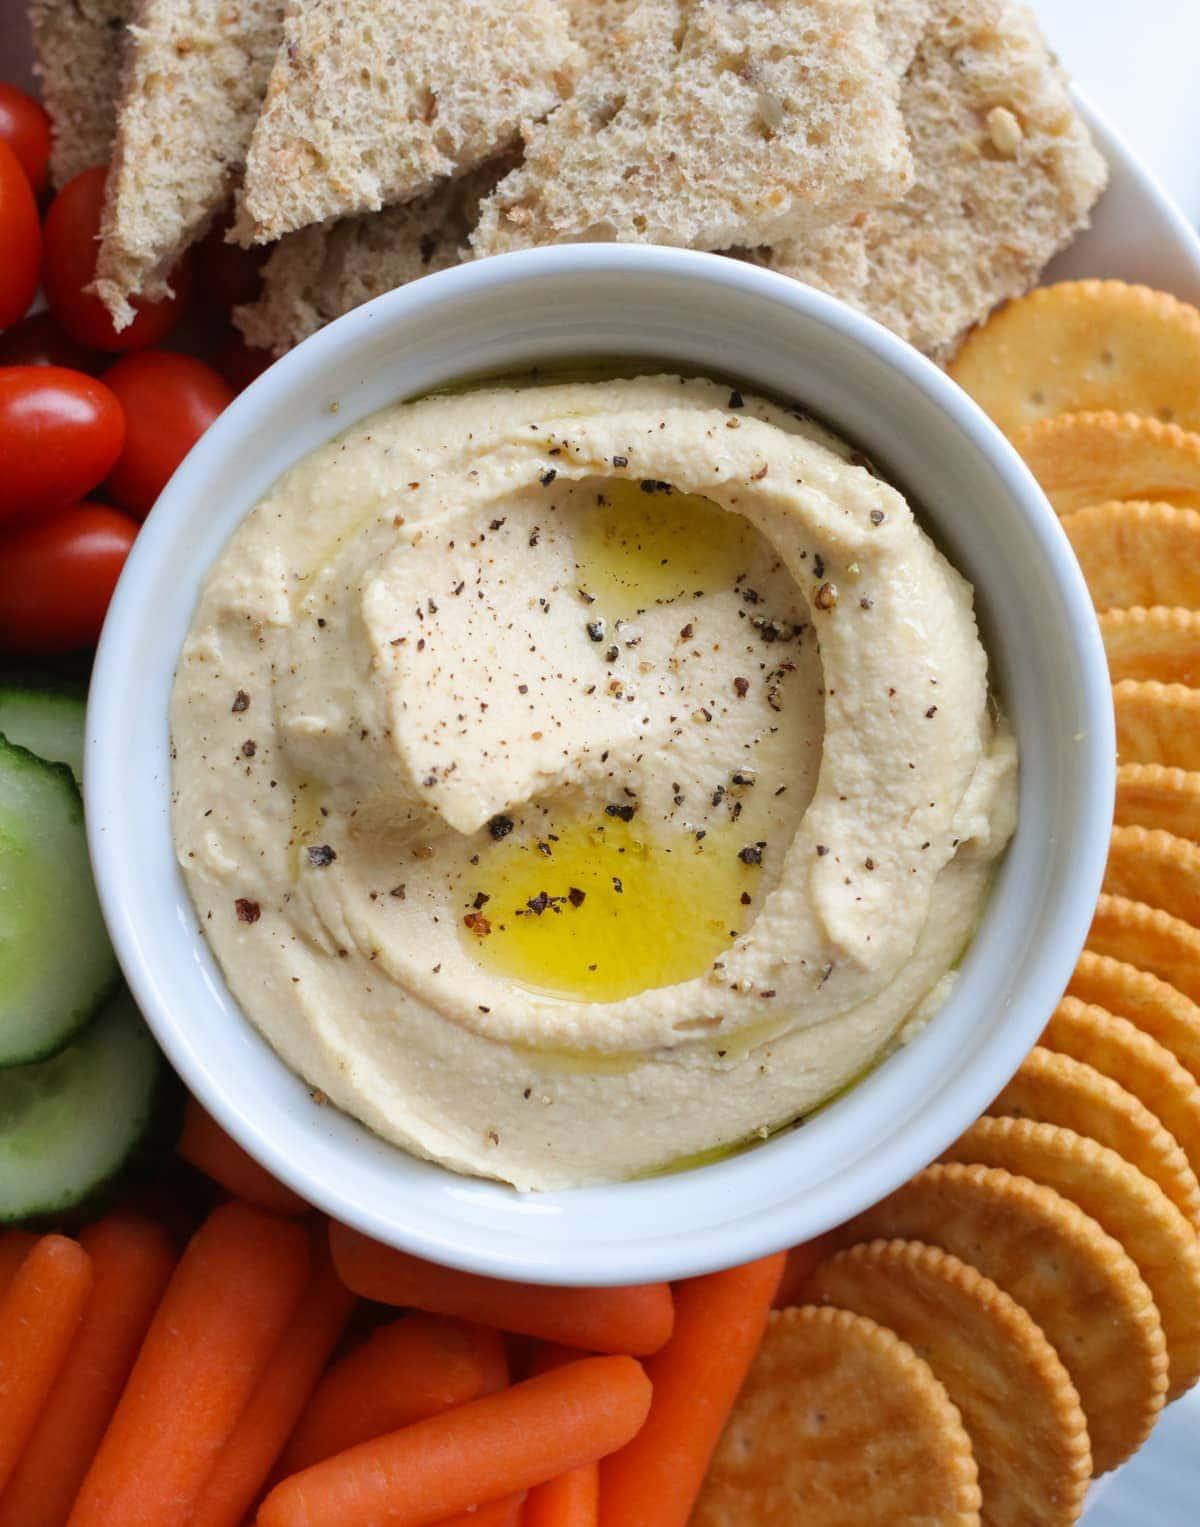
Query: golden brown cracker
(1092,458)
(1138,554)
(1051,1088)
(1125,1204)
(1157,723)
(839,1424)
(1085,346)
(1116,1048)
(1151,939)
(1153,1005)
(1147,864)
(1162,642)
(1151,795)
(1016,1399)
(1077,1283)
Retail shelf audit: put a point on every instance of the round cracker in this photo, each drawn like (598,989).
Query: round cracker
(1077,1283)
(1153,1005)
(1085,458)
(1085,345)
(1125,1204)
(1051,1088)
(839,1424)
(1016,1399)
(1149,938)
(1148,1070)
(1147,864)
(1138,554)
(1151,795)
(1157,723)
(1162,642)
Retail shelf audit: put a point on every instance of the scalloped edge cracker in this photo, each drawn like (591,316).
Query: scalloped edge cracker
(1157,723)
(1149,865)
(1124,1203)
(1138,554)
(1160,643)
(1085,346)
(1156,1007)
(1077,1283)
(1092,458)
(1151,939)
(1017,1401)
(840,1424)
(1152,795)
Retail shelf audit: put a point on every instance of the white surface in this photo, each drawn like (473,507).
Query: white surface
(1137,61)
(712,314)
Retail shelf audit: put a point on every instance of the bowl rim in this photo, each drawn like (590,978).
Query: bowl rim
(921,1139)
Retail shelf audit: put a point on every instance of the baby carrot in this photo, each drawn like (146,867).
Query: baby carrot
(206,1146)
(501,1513)
(132,1259)
(231,1298)
(573,1498)
(473,1455)
(720,1321)
(413,1368)
(15,1245)
(39,1318)
(245,1462)
(634,1320)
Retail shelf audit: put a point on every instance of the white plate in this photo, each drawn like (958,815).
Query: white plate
(1137,234)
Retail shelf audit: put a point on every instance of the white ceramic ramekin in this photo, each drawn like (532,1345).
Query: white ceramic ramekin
(708,313)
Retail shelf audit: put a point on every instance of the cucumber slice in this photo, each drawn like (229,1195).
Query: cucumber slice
(56,963)
(47,722)
(69,1124)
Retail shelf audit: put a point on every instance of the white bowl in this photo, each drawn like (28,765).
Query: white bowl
(712,314)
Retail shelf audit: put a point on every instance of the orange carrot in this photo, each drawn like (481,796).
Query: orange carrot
(206,1146)
(720,1321)
(501,1513)
(233,1295)
(573,1499)
(798,1269)
(472,1455)
(264,1426)
(628,1320)
(39,1319)
(15,1245)
(413,1368)
(131,1262)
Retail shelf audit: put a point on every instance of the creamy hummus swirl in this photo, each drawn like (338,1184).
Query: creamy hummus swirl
(572,779)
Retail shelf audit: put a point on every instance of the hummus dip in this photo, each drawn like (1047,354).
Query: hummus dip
(576,780)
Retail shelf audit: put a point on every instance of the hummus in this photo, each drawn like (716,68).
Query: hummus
(572,780)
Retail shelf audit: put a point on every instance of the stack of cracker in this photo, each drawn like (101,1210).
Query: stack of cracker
(1011,1322)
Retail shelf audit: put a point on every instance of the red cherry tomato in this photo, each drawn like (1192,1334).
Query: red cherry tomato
(20,239)
(38,341)
(169,401)
(25,127)
(60,434)
(239,364)
(227,273)
(69,266)
(57,577)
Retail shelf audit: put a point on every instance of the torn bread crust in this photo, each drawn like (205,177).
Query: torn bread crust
(319,273)
(1006,175)
(369,106)
(194,79)
(742,119)
(77,48)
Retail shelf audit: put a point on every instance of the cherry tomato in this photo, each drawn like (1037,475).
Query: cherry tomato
(69,266)
(38,341)
(169,401)
(57,577)
(227,273)
(20,239)
(239,364)
(25,127)
(60,434)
